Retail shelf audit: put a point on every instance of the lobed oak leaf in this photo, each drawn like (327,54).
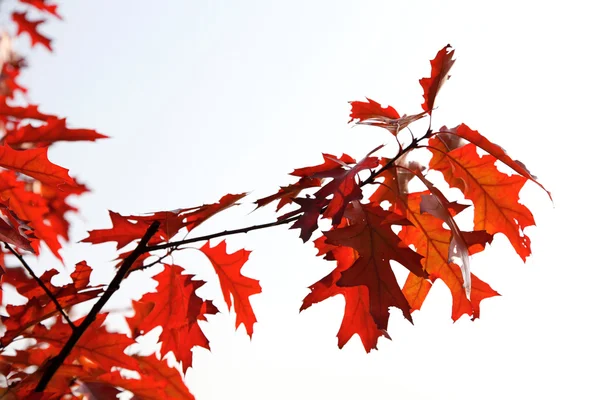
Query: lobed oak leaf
(287,194)
(371,113)
(342,189)
(56,202)
(30,27)
(152,367)
(12,234)
(370,234)
(43,5)
(8,80)
(233,284)
(433,241)
(495,195)
(330,165)
(123,231)
(464,132)
(357,316)
(17,112)
(106,349)
(171,222)
(177,309)
(440,67)
(34,163)
(40,307)
(394,187)
(54,130)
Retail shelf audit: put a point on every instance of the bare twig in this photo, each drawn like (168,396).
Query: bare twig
(42,285)
(413,145)
(55,363)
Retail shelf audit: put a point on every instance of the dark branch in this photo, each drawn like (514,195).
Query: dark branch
(413,145)
(114,285)
(42,285)
(223,233)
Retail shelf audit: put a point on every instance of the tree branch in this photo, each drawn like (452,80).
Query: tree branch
(223,233)
(114,285)
(42,285)
(369,180)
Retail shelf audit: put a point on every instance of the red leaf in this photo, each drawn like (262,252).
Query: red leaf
(362,111)
(357,317)
(175,388)
(440,66)
(287,194)
(30,27)
(370,234)
(40,307)
(171,222)
(29,112)
(42,5)
(177,309)
(34,163)
(372,113)
(106,349)
(233,283)
(55,130)
(343,189)
(123,231)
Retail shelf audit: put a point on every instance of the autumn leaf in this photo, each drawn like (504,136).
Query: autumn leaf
(357,316)
(369,233)
(12,230)
(28,112)
(440,67)
(432,241)
(171,222)
(371,113)
(40,307)
(123,231)
(43,5)
(34,163)
(104,348)
(177,309)
(174,387)
(495,195)
(287,194)
(30,27)
(54,130)
(342,189)
(233,283)
(463,131)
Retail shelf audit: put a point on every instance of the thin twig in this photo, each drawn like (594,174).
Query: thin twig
(223,233)
(55,363)
(414,144)
(42,285)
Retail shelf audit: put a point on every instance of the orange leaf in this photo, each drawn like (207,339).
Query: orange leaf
(440,66)
(495,195)
(482,142)
(432,241)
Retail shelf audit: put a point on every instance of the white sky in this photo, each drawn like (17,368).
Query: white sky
(203,98)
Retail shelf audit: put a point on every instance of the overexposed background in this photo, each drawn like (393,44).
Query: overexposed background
(203,98)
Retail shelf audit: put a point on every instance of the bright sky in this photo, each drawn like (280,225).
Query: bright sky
(203,98)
